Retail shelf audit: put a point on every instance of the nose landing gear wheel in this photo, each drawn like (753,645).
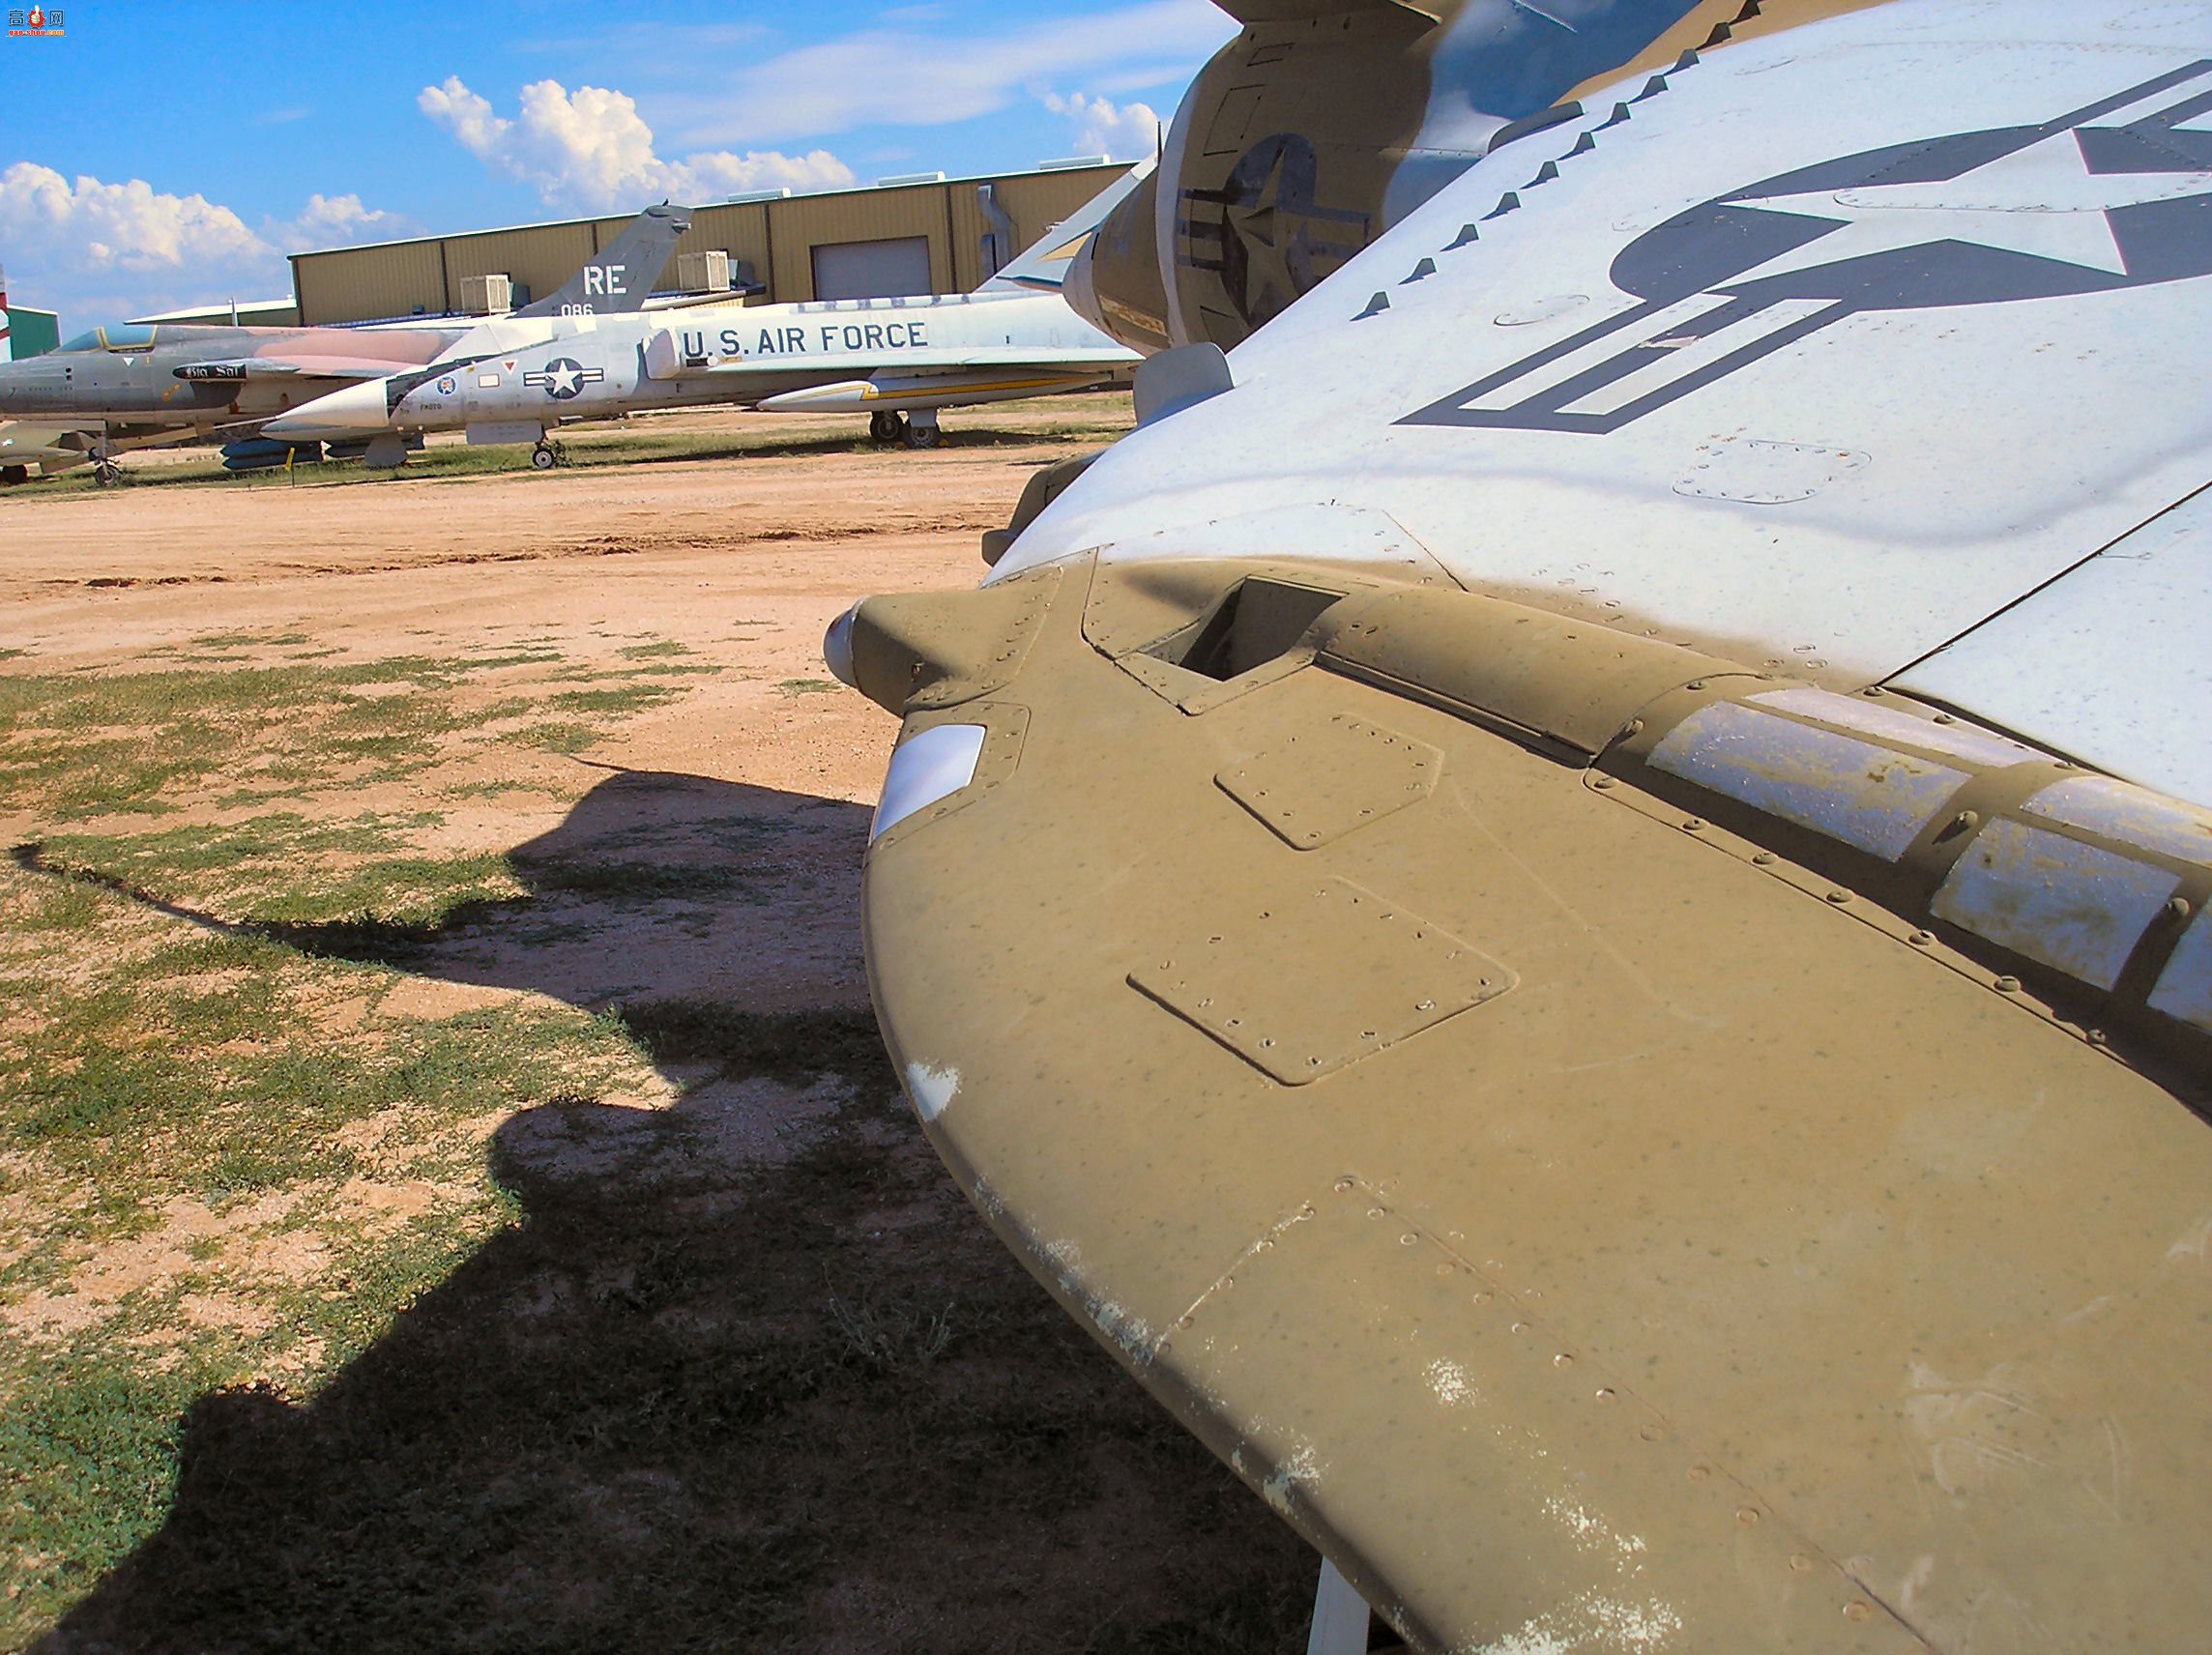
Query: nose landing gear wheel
(886,427)
(106,472)
(548,454)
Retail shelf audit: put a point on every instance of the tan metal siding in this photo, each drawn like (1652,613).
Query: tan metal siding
(778,238)
(1036,201)
(805,221)
(739,228)
(356,284)
(539,258)
(968,227)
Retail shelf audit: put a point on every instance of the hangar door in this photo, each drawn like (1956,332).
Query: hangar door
(872,270)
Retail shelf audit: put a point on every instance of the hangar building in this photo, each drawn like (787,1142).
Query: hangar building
(927,234)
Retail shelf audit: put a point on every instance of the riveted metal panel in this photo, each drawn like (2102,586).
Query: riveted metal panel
(1331,779)
(1395,974)
(1582,1517)
(2059,901)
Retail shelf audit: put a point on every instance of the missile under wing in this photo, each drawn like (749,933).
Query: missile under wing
(1571,910)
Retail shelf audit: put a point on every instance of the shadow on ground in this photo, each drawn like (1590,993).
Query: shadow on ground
(749,1376)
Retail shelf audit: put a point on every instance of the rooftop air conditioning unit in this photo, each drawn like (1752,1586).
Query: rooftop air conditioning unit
(705,272)
(487,295)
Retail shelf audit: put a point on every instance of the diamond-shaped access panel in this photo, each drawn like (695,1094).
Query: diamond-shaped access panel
(1324,782)
(1309,983)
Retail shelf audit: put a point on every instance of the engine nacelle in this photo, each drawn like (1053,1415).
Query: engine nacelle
(1325,123)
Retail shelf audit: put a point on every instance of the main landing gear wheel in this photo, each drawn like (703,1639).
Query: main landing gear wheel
(106,472)
(886,426)
(922,434)
(548,454)
(13,475)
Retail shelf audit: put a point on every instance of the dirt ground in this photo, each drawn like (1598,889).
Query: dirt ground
(715,1357)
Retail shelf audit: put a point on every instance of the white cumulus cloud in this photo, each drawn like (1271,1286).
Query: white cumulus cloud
(86,224)
(1125,132)
(591,148)
(100,251)
(335,221)
(905,71)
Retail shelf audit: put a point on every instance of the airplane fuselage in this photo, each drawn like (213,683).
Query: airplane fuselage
(891,353)
(200,376)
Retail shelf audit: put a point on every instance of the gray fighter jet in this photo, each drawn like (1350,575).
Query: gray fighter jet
(137,384)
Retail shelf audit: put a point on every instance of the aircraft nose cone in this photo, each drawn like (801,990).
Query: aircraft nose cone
(345,413)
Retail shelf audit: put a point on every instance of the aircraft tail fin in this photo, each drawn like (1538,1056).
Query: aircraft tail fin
(620,275)
(1043,266)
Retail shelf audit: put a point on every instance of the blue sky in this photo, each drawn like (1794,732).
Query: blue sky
(159,155)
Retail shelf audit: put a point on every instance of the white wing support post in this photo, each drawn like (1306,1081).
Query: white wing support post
(1341,1618)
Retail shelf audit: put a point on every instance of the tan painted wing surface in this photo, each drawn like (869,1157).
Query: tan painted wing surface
(1559,1208)
(1632,1131)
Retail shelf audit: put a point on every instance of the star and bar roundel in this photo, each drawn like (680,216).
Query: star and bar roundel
(2114,195)
(563,378)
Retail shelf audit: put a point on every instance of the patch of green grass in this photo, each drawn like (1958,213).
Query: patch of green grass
(76,745)
(79,744)
(513,659)
(250,640)
(807,686)
(279,836)
(613,703)
(557,736)
(648,651)
(677,1404)
(498,788)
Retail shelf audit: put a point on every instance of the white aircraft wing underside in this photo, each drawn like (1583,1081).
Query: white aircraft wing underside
(1812,368)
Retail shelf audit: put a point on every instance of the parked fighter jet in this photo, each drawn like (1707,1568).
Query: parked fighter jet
(1569,901)
(897,360)
(24,447)
(135,385)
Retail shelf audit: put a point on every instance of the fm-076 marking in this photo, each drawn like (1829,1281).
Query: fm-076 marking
(833,335)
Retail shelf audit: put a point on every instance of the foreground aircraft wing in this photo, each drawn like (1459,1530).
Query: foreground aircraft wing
(1573,916)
